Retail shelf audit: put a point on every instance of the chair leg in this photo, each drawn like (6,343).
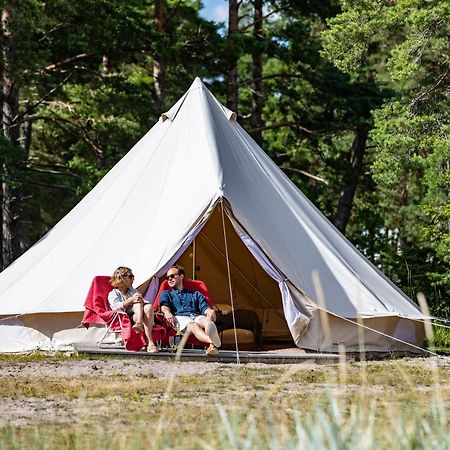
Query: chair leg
(100,342)
(109,330)
(117,340)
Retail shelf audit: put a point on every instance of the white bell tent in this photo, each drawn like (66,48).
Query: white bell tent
(197,189)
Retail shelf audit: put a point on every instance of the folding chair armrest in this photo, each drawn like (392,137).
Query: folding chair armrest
(118,314)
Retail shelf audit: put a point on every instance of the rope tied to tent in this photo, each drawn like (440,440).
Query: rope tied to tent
(323,310)
(229,281)
(423,350)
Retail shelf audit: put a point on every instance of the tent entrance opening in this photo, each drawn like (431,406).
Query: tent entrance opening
(256,296)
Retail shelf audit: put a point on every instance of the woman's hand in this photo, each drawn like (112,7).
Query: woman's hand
(137,298)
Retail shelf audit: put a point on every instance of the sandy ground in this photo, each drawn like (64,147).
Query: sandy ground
(159,369)
(23,411)
(132,366)
(20,411)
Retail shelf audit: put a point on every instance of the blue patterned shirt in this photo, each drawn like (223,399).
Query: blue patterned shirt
(184,302)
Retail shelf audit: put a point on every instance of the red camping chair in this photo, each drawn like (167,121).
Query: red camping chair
(98,311)
(193,285)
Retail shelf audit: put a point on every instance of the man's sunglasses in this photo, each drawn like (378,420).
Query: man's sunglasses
(129,275)
(172,275)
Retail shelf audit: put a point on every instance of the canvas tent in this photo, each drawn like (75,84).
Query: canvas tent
(197,189)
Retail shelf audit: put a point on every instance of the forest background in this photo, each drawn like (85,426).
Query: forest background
(349,98)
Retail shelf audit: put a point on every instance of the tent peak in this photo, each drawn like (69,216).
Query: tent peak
(196,85)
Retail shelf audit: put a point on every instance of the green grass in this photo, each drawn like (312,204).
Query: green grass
(401,404)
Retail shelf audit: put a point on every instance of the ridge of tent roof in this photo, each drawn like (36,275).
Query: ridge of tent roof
(196,87)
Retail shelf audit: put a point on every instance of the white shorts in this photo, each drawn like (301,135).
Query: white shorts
(184,321)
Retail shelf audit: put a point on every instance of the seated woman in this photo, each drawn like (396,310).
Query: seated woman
(125,297)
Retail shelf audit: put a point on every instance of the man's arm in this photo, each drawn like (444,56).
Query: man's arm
(165,308)
(205,308)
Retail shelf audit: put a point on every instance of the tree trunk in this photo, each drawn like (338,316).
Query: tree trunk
(159,66)
(233,27)
(347,195)
(11,131)
(106,66)
(257,70)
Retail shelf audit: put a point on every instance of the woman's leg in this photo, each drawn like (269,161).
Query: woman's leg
(148,323)
(138,313)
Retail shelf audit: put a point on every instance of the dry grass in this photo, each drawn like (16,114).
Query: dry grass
(108,405)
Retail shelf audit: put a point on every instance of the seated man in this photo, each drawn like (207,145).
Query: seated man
(190,310)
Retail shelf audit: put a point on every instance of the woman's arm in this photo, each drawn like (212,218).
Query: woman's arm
(116,300)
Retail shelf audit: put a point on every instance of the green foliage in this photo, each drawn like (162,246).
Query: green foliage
(404,44)
(441,338)
(84,70)
(311,109)
(86,85)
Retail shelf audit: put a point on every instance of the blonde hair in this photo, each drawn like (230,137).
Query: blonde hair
(118,276)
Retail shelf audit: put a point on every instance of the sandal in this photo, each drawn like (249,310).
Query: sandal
(138,327)
(212,350)
(152,348)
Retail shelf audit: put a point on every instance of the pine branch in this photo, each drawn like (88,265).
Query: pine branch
(248,81)
(250,25)
(282,125)
(30,108)
(54,169)
(306,174)
(54,66)
(82,132)
(52,30)
(52,186)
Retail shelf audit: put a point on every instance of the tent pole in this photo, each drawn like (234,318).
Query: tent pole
(229,282)
(193,259)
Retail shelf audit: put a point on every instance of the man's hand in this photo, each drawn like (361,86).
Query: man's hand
(168,316)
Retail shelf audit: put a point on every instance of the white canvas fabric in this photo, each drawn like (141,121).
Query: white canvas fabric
(146,211)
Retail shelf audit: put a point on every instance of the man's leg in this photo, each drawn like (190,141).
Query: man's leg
(198,332)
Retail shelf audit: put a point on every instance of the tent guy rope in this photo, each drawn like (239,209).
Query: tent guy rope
(229,282)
